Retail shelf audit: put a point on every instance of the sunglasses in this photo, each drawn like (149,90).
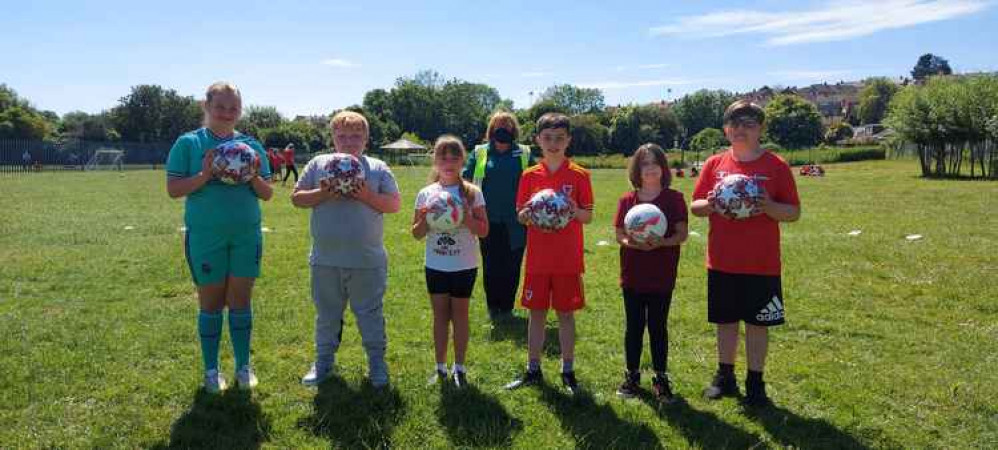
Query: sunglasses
(744,122)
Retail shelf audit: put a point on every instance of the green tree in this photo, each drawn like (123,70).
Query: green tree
(874,99)
(708,140)
(258,118)
(88,127)
(625,130)
(589,136)
(574,100)
(20,123)
(466,109)
(838,131)
(792,122)
(150,113)
(929,65)
(701,109)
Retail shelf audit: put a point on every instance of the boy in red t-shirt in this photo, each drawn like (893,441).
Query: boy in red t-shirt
(289,163)
(554,257)
(743,256)
(648,268)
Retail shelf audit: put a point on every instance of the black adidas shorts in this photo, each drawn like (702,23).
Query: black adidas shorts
(753,299)
(456,284)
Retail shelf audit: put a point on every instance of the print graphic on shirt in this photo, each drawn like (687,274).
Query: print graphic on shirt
(758,177)
(529,293)
(567,189)
(446,245)
(773,311)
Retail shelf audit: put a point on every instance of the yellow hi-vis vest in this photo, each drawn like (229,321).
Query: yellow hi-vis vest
(482,156)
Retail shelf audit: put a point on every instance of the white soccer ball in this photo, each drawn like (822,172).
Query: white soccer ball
(645,221)
(550,209)
(737,196)
(444,211)
(235,162)
(343,172)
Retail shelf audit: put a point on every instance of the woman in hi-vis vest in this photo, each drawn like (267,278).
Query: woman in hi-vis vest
(495,167)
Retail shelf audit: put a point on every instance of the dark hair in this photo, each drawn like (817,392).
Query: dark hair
(554,121)
(634,165)
(744,108)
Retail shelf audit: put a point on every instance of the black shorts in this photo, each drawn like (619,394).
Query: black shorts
(753,299)
(456,284)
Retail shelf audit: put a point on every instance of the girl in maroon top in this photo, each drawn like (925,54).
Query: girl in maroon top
(648,269)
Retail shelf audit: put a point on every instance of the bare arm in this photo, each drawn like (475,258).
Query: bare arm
(677,238)
(178,187)
(419,226)
(262,188)
(384,203)
(477,221)
(780,212)
(701,208)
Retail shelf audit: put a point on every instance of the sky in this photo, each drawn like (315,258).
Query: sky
(313,57)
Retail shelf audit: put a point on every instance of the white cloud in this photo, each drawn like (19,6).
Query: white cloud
(836,21)
(631,84)
(342,63)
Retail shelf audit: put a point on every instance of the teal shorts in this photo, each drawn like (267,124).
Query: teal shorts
(213,256)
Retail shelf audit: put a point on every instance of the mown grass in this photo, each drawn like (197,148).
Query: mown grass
(889,342)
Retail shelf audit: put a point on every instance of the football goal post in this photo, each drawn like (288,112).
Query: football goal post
(106,159)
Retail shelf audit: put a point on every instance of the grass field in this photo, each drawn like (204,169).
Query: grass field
(889,343)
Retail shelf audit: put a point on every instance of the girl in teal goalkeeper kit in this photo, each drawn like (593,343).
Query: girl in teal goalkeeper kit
(223,244)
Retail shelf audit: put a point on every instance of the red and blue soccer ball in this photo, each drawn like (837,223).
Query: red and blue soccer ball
(235,162)
(343,172)
(444,211)
(550,209)
(736,196)
(645,221)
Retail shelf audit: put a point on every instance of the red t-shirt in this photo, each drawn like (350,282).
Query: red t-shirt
(558,253)
(289,156)
(654,271)
(752,245)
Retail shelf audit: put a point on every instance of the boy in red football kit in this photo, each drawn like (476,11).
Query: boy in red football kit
(743,256)
(554,257)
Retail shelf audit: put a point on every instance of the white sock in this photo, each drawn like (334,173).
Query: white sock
(442,367)
(459,368)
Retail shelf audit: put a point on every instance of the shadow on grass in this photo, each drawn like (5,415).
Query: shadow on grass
(514,329)
(700,428)
(594,425)
(354,418)
(473,419)
(791,430)
(232,419)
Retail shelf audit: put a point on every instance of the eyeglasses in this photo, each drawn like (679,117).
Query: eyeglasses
(744,122)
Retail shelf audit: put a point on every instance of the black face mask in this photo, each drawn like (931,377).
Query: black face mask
(502,136)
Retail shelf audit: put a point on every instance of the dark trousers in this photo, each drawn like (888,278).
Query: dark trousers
(500,269)
(651,310)
(289,168)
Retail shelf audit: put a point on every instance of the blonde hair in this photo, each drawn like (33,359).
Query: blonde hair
(350,120)
(502,117)
(449,144)
(220,87)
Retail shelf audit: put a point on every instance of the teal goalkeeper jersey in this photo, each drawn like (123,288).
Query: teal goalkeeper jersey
(216,206)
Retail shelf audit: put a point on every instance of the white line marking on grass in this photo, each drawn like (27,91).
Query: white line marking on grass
(855,232)
(913,237)
(129,227)
(602,243)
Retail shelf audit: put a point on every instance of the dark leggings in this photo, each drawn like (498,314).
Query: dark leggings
(500,269)
(289,168)
(653,310)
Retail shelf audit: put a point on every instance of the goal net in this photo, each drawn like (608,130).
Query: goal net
(105,159)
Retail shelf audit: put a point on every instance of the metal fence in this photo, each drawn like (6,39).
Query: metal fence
(21,156)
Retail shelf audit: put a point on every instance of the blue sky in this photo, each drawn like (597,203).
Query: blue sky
(317,56)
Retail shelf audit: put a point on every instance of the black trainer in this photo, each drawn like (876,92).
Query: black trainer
(529,378)
(571,384)
(722,386)
(631,385)
(662,388)
(460,379)
(755,395)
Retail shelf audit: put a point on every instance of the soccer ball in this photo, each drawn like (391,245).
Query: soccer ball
(444,211)
(645,221)
(235,162)
(736,196)
(550,209)
(344,172)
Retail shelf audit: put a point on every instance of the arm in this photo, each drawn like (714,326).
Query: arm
(178,187)
(419,227)
(477,221)
(701,208)
(677,238)
(310,198)
(384,203)
(262,188)
(583,215)
(780,212)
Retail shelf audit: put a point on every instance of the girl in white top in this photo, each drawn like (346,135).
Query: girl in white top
(451,256)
